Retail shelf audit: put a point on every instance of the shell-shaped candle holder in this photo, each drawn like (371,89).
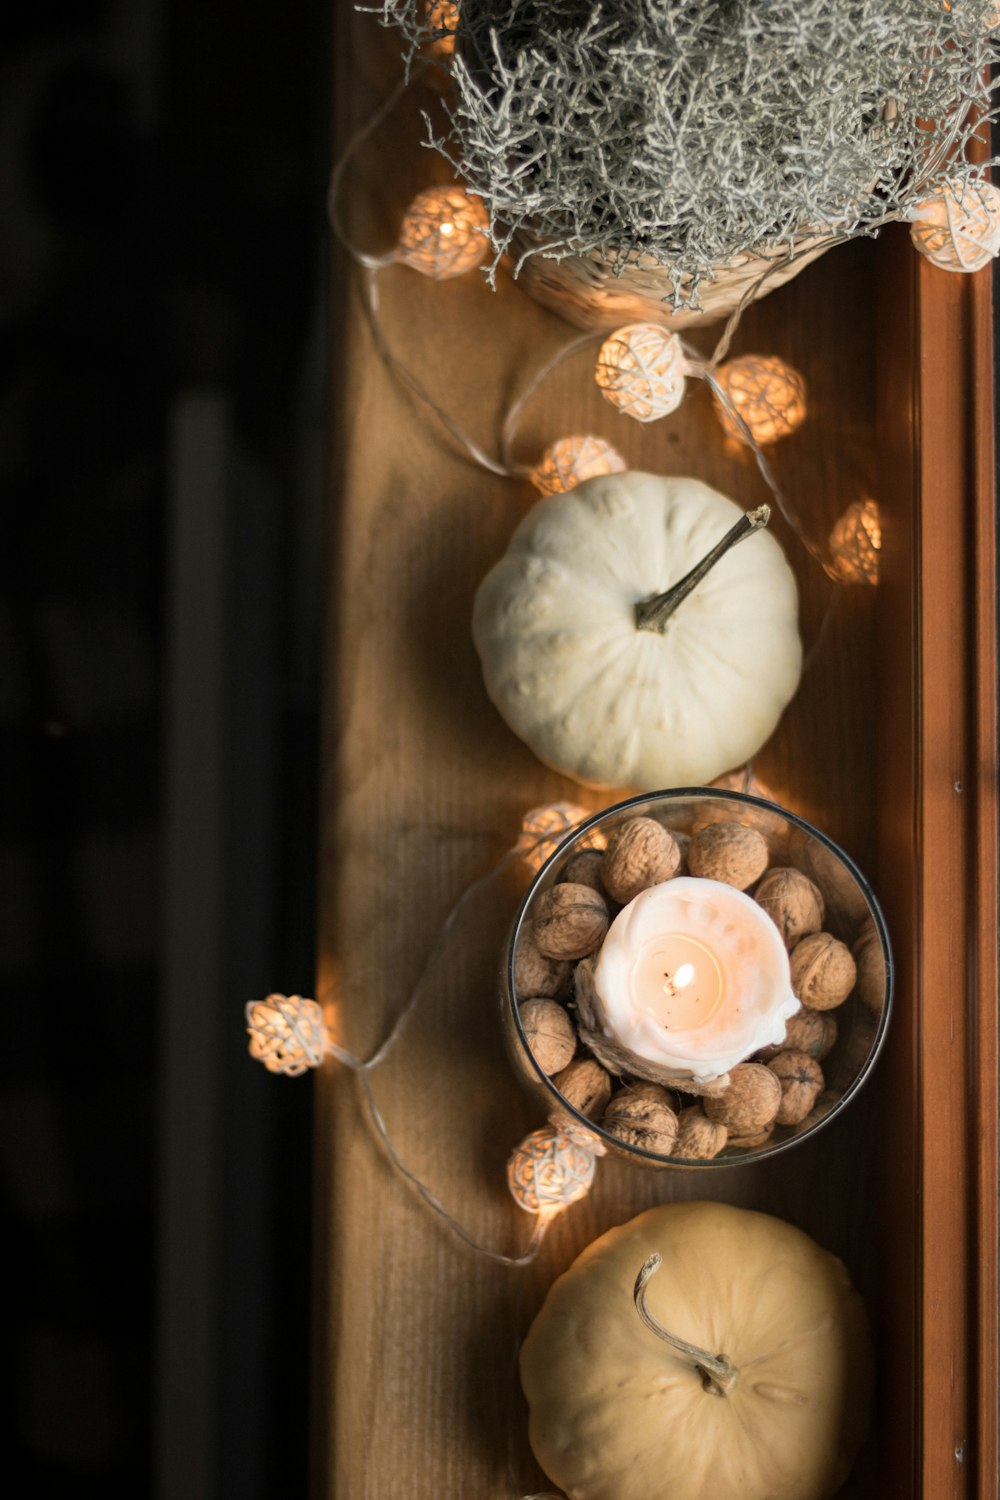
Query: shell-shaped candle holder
(852,915)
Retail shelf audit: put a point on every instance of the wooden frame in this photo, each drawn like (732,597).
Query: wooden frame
(939,823)
(891,746)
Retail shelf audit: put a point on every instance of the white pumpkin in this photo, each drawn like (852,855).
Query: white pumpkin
(764,1392)
(609,703)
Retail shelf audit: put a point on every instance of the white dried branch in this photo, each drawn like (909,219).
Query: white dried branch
(691,131)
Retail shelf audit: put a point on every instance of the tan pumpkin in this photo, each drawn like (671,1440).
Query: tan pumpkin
(762,1393)
(627,641)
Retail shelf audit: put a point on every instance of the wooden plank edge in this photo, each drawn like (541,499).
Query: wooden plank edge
(957,889)
(984,1049)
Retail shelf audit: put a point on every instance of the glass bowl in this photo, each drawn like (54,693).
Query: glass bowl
(852,914)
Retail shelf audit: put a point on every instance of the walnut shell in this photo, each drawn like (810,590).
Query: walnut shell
(641,1116)
(535,973)
(753,1137)
(751,1101)
(870,961)
(569,921)
(698,1137)
(713,810)
(827,1100)
(809,1031)
(550,1033)
(585,869)
(793,903)
(728,852)
(640,853)
(855,1049)
(586,1086)
(801,1080)
(823,971)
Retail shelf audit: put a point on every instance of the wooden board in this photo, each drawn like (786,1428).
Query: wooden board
(889,746)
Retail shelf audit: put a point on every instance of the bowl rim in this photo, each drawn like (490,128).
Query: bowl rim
(753,1154)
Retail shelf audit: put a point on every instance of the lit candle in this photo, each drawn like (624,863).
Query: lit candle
(693,976)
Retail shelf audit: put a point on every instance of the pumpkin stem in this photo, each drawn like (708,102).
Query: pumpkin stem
(653,613)
(717,1372)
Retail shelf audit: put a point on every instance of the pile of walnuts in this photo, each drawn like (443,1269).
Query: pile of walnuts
(780,1089)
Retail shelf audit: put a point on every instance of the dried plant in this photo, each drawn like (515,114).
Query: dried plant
(686,132)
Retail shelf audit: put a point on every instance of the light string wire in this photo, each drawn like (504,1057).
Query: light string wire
(507,467)
(362,1068)
(699,367)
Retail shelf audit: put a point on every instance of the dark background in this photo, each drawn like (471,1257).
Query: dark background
(162,171)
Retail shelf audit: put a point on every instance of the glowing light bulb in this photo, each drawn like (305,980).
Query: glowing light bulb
(544,828)
(286,1033)
(641,369)
(571,460)
(958,228)
(442,20)
(855,544)
(551,1169)
(766,392)
(444,233)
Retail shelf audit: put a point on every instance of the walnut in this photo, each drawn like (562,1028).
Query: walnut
(723,810)
(751,1101)
(730,853)
(569,921)
(809,1031)
(870,961)
(586,1086)
(550,1033)
(823,971)
(640,853)
(827,1101)
(792,902)
(585,869)
(683,842)
(698,1137)
(752,1137)
(641,1116)
(801,1080)
(536,974)
(856,1047)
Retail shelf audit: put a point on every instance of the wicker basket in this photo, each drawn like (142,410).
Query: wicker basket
(588,292)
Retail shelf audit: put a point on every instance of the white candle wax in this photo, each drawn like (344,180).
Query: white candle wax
(694,976)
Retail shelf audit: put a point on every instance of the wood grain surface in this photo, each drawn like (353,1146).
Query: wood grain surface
(414,1386)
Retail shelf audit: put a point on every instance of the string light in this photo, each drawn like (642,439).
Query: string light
(989,21)
(641,369)
(744,780)
(766,392)
(544,828)
(442,17)
(958,228)
(855,543)
(287,1034)
(550,1169)
(571,460)
(443,233)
